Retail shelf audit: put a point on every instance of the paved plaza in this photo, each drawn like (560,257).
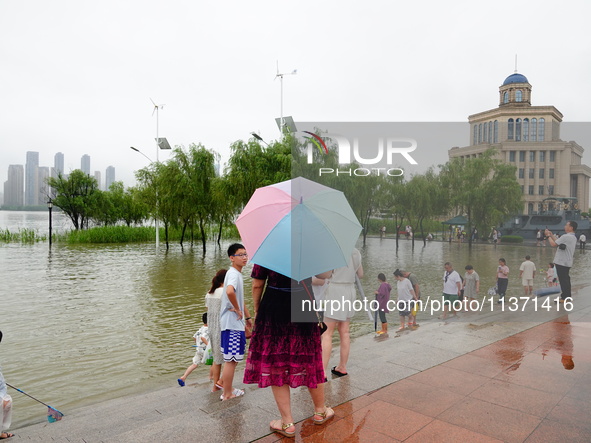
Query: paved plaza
(486,376)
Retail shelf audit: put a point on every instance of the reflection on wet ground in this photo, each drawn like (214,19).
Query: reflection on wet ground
(531,387)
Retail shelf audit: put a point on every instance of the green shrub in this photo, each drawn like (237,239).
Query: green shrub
(512,239)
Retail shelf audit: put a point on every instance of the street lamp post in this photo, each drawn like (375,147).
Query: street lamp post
(50,207)
(156,190)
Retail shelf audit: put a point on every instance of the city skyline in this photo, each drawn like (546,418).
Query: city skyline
(29,179)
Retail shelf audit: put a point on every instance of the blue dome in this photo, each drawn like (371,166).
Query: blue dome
(515,78)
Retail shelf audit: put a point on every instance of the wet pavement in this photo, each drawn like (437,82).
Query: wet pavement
(493,376)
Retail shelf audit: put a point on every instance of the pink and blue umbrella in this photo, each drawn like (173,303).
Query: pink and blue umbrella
(298,228)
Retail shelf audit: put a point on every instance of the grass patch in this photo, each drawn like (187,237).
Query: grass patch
(21,236)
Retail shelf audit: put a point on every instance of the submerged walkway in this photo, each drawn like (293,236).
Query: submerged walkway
(487,376)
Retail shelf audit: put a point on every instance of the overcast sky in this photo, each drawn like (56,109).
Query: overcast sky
(77,76)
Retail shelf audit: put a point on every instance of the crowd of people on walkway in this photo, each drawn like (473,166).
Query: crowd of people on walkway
(290,349)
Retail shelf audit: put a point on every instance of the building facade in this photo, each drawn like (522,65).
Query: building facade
(32,179)
(528,137)
(109,177)
(85,164)
(58,165)
(14,187)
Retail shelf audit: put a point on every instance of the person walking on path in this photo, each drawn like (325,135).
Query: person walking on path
(564,256)
(412,319)
(213,303)
(201,338)
(233,315)
(471,283)
(383,297)
(527,271)
(502,279)
(405,295)
(341,292)
(452,289)
(582,241)
(5,407)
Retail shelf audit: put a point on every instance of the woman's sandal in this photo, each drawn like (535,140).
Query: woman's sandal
(283,428)
(5,435)
(326,415)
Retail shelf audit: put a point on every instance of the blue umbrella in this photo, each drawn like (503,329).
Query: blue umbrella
(298,228)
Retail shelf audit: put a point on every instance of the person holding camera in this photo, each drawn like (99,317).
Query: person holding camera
(563,259)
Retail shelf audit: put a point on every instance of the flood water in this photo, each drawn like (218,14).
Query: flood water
(85,323)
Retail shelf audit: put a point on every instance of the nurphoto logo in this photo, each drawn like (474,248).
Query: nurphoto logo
(388,149)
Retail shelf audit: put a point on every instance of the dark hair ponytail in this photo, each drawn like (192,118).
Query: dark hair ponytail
(218,280)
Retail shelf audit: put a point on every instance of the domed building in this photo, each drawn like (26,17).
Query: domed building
(528,137)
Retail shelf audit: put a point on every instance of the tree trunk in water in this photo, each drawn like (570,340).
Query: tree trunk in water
(202,235)
(220,231)
(183,232)
(166,234)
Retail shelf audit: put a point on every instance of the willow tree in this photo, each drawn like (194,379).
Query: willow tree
(196,169)
(483,188)
(252,166)
(76,195)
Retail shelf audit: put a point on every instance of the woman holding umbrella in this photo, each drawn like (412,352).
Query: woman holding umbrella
(285,349)
(294,230)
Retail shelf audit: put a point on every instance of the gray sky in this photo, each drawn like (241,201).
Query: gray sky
(77,76)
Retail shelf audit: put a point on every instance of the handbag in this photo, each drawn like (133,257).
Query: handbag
(321,324)
(208,355)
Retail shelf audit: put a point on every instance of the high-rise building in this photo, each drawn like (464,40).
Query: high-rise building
(528,137)
(109,177)
(14,187)
(32,179)
(85,164)
(43,175)
(97,177)
(58,164)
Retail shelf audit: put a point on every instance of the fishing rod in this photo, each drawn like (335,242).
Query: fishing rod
(52,413)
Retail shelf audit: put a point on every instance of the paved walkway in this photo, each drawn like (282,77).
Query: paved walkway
(488,376)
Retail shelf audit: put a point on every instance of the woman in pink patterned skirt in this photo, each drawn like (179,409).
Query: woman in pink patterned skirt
(285,350)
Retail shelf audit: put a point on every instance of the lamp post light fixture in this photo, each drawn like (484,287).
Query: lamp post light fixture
(281,75)
(50,207)
(259,138)
(156,222)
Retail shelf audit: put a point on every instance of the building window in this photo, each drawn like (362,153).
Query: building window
(510,129)
(551,173)
(541,130)
(531,172)
(542,155)
(480,133)
(475,136)
(522,189)
(518,130)
(530,190)
(551,190)
(552,156)
(521,173)
(530,208)
(541,190)
(534,129)
(541,173)
(525,129)
(522,156)
(496,132)
(490,125)
(511,156)
(540,208)
(506,97)
(484,135)
(532,156)
(518,95)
